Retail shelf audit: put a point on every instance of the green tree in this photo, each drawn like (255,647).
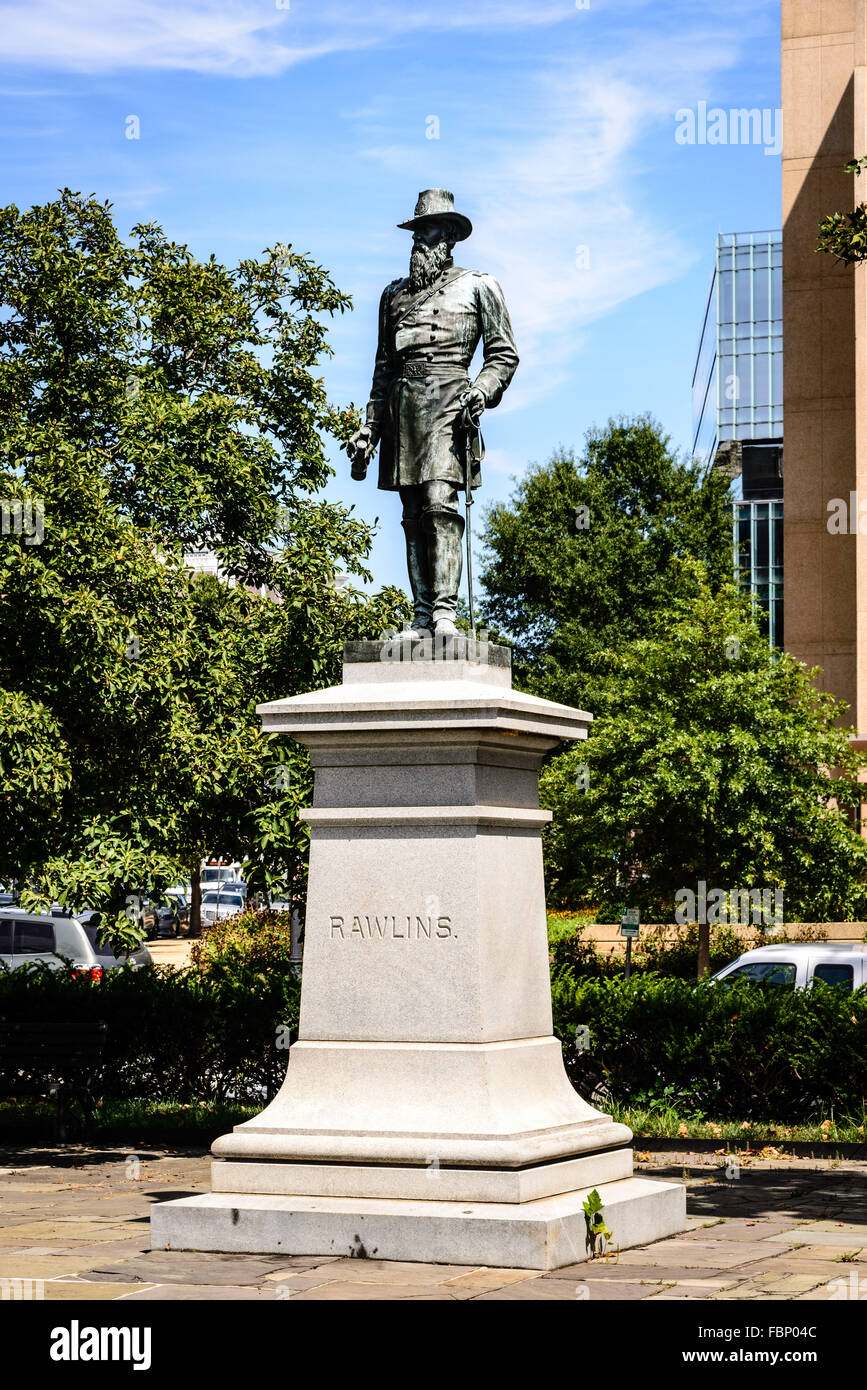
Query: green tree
(151,404)
(843,235)
(236,788)
(587,551)
(708,761)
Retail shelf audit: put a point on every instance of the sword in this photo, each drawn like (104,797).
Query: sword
(473,450)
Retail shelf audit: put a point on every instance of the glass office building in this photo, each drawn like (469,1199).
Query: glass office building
(738,406)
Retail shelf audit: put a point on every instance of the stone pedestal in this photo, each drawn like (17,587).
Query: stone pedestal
(426,1114)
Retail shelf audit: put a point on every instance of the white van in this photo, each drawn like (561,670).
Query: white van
(215,871)
(27,938)
(795,965)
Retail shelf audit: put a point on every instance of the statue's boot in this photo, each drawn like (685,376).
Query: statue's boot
(419,574)
(445,531)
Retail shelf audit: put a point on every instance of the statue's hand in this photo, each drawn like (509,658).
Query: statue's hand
(359,449)
(473,402)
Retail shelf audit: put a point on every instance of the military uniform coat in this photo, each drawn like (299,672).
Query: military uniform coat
(426,344)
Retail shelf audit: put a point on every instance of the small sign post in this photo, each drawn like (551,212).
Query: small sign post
(629,924)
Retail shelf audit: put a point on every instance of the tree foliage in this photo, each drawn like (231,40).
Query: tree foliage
(708,760)
(843,235)
(152,404)
(587,550)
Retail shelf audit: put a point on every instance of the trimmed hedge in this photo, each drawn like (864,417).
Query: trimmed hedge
(570,948)
(219,1032)
(738,1052)
(179,1035)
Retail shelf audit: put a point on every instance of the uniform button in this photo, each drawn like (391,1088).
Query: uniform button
(436,311)
(430,357)
(433,337)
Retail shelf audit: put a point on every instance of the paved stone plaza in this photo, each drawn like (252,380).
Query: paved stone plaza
(75,1222)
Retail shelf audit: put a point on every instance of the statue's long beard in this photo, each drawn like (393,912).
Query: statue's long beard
(426,264)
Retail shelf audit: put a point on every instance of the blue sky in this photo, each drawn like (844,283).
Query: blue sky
(308,123)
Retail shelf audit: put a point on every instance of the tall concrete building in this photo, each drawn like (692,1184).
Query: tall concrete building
(824,86)
(738,407)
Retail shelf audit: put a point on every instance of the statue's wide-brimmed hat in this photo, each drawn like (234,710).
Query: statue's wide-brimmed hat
(438,203)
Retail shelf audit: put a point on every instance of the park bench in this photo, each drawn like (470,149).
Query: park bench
(60,1060)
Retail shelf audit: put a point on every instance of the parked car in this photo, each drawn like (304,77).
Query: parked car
(175,914)
(222,902)
(796,965)
(235,885)
(29,937)
(144,914)
(85,915)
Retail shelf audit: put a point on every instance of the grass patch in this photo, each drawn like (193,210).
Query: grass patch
(665,1123)
(126,1121)
(138,1122)
(567,923)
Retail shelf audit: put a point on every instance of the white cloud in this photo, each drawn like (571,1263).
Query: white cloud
(238,38)
(553,165)
(566,219)
(139,199)
(503,462)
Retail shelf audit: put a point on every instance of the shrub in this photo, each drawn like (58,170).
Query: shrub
(210,1032)
(737,1051)
(179,1035)
(569,950)
(678,958)
(246,947)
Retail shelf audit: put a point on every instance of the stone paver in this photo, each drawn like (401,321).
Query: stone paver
(392,1272)
(357,1291)
(815,1253)
(697,1254)
(297,1283)
(197,1293)
(76,1220)
(88,1254)
(619,1270)
(73,1291)
(19,1265)
(773,1286)
(173,1267)
(855,1237)
(550,1286)
(64,1232)
(472,1281)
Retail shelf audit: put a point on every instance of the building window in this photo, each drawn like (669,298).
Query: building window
(737,393)
(758,551)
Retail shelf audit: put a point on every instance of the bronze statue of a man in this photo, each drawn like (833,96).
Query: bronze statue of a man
(423,410)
